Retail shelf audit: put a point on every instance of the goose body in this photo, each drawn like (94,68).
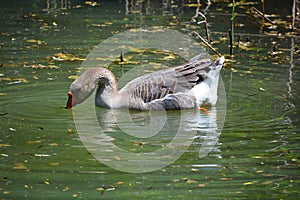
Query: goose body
(188,85)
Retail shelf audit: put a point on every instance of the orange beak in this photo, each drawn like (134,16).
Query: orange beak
(69,103)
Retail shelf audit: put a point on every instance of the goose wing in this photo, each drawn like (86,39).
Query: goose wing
(158,85)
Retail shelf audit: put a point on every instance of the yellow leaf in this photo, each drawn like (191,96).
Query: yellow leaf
(53,144)
(225,179)
(73,77)
(249,183)
(5,145)
(54,163)
(34,141)
(19,166)
(100,189)
(169,57)
(192,5)
(191,181)
(91,3)
(258,157)
(34,41)
(31,41)
(266,183)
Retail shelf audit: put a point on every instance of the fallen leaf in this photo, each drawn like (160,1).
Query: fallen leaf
(249,183)
(41,155)
(191,181)
(34,141)
(5,145)
(53,144)
(54,163)
(19,166)
(5,192)
(225,179)
(34,41)
(73,77)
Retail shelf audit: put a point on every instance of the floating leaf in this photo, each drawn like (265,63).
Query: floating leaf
(66,57)
(191,181)
(266,183)
(192,5)
(54,163)
(78,194)
(34,141)
(91,3)
(249,183)
(19,166)
(12,129)
(5,192)
(262,89)
(39,42)
(70,131)
(73,77)
(169,57)
(41,66)
(225,179)
(28,186)
(42,155)
(14,80)
(53,144)
(65,189)
(46,182)
(5,145)
(100,189)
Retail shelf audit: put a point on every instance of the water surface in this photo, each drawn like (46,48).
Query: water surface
(255,156)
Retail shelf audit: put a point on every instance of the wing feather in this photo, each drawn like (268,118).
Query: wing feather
(158,85)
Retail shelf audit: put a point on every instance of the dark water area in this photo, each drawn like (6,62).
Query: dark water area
(245,148)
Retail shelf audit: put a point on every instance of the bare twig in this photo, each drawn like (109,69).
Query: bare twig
(231,32)
(206,27)
(263,15)
(230,42)
(206,43)
(293,14)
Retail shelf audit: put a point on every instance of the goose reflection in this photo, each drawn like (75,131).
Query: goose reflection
(146,141)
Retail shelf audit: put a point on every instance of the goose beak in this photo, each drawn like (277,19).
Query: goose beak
(69,103)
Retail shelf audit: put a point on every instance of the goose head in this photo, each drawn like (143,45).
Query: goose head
(85,84)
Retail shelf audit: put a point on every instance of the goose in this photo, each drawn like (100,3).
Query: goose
(189,85)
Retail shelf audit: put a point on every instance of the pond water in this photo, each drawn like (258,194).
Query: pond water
(245,148)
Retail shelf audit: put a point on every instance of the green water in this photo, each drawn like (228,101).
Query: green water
(255,155)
